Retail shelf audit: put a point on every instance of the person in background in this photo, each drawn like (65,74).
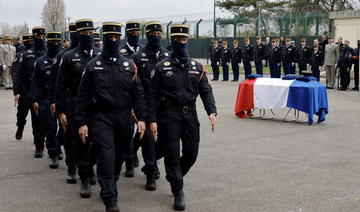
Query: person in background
(236,55)
(331,58)
(303,56)
(259,55)
(316,61)
(7,56)
(248,56)
(215,57)
(97,40)
(355,60)
(345,63)
(275,59)
(225,60)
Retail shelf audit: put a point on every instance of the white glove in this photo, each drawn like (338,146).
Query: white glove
(218,63)
(4,67)
(293,64)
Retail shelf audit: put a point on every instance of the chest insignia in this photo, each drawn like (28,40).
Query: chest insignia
(169,73)
(167,63)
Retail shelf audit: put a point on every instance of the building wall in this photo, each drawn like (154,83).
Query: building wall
(348,28)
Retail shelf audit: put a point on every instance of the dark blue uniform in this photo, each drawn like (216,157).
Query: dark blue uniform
(345,63)
(215,57)
(289,59)
(259,56)
(356,68)
(39,92)
(225,60)
(145,60)
(68,79)
(275,61)
(316,61)
(23,78)
(248,56)
(127,51)
(173,106)
(303,57)
(236,55)
(112,88)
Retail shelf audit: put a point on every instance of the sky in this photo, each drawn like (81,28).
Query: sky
(20,11)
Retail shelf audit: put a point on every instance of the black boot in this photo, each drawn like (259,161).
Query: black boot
(19,133)
(129,172)
(355,89)
(71,178)
(151,182)
(111,207)
(93,179)
(85,189)
(54,163)
(179,201)
(38,153)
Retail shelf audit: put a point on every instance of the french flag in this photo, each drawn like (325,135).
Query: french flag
(272,93)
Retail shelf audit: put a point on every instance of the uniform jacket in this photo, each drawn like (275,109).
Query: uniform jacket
(259,52)
(275,55)
(332,53)
(345,58)
(215,54)
(248,54)
(289,54)
(110,87)
(69,75)
(304,55)
(225,55)
(128,51)
(177,85)
(236,54)
(316,59)
(7,54)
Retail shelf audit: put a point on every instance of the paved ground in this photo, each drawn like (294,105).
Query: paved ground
(247,165)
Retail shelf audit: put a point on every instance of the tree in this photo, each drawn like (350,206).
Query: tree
(14,31)
(53,15)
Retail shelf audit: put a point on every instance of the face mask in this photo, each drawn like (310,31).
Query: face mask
(133,40)
(86,42)
(74,40)
(180,51)
(153,42)
(111,48)
(53,49)
(39,44)
(28,45)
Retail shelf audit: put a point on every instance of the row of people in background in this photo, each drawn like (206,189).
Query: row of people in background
(283,53)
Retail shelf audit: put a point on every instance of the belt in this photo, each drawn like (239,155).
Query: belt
(182,109)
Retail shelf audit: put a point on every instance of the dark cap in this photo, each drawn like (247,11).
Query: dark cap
(303,39)
(132,26)
(54,36)
(111,28)
(246,39)
(179,30)
(258,37)
(153,26)
(288,39)
(84,24)
(39,30)
(27,37)
(96,36)
(274,40)
(72,27)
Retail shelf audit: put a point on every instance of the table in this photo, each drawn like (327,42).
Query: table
(274,93)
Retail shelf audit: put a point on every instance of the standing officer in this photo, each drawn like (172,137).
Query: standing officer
(259,55)
(225,60)
(68,79)
(248,56)
(303,55)
(64,138)
(275,59)
(97,41)
(177,81)
(355,59)
(110,84)
(236,55)
(7,56)
(288,57)
(316,61)
(23,77)
(215,57)
(28,44)
(145,60)
(345,63)
(40,99)
(132,45)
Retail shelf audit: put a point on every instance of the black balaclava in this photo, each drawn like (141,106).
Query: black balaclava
(133,40)
(111,49)
(39,44)
(153,42)
(74,40)
(53,49)
(86,42)
(28,45)
(180,51)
